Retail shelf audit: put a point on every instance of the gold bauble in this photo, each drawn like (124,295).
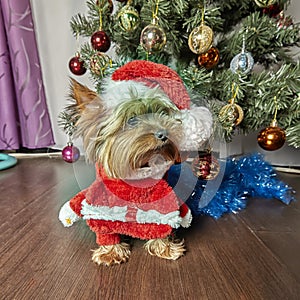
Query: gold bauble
(153,38)
(209,59)
(99,62)
(129,18)
(271,138)
(231,112)
(200,39)
(265,3)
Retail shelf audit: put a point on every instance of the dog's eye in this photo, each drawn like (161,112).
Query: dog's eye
(133,121)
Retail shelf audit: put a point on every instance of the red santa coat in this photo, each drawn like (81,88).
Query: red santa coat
(145,208)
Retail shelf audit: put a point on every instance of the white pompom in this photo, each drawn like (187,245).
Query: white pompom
(197,126)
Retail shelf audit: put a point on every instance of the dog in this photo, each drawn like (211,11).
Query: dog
(134,130)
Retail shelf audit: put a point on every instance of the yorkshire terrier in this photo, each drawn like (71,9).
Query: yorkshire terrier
(134,131)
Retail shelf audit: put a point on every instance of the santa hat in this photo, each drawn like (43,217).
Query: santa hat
(142,76)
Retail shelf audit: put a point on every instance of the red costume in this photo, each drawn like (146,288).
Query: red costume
(145,209)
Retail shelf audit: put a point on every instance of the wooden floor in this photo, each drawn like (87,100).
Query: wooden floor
(254,254)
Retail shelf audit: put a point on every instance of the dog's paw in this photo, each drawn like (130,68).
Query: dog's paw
(111,254)
(166,248)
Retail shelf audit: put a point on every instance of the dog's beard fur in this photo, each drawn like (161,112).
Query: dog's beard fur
(124,139)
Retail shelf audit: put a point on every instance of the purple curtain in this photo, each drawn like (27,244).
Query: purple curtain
(24,117)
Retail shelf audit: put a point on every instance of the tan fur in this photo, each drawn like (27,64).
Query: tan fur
(165,248)
(111,254)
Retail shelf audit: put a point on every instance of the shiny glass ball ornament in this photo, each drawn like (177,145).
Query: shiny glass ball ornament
(153,38)
(205,166)
(76,65)
(231,113)
(242,63)
(271,138)
(209,59)
(265,3)
(70,153)
(100,41)
(99,62)
(128,18)
(200,39)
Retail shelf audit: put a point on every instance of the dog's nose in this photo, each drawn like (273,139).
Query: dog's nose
(161,135)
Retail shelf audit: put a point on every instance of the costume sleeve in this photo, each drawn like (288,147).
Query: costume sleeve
(76,203)
(70,211)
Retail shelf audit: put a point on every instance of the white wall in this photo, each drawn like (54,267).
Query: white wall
(57,46)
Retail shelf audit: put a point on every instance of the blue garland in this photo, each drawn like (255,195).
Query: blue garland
(239,179)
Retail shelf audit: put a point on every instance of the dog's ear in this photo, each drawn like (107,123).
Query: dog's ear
(82,94)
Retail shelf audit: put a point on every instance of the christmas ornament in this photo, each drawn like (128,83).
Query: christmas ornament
(128,18)
(100,41)
(209,59)
(200,39)
(271,138)
(76,65)
(243,62)
(205,166)
(70,153)
(273,10)
(153,38)
(265,3)
(231,113)
(99,63)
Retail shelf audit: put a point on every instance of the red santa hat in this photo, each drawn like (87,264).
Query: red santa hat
(144,78)
(144,75)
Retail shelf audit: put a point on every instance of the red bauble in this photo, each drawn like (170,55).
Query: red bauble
(100,41)
(273,10)
(205,166)
(76,65)
(70,153)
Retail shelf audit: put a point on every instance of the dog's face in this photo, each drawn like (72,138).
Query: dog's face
(135,134)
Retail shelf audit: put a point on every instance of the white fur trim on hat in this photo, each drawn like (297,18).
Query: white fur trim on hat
(116,92)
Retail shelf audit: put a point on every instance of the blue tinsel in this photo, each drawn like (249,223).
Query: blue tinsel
(239,179)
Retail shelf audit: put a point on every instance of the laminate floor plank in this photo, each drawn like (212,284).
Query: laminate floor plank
(250,255)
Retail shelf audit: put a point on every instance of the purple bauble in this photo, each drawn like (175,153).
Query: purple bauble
(70,153)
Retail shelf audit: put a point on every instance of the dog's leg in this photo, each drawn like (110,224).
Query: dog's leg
(110,253)
(167,248)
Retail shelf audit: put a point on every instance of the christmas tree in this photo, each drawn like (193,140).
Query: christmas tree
(234,55)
